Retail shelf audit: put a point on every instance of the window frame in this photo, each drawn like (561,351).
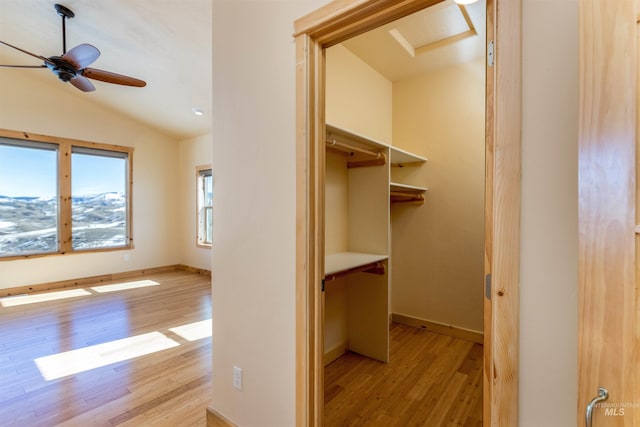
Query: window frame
(65,147)
(201,171)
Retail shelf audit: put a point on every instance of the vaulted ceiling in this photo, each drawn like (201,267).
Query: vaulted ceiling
(167,43)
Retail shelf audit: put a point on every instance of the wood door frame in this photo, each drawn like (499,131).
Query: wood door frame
(330,25)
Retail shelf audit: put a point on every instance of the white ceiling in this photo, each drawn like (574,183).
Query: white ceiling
(167,43)
(438,36)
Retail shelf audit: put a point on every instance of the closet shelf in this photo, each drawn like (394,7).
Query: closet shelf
(403,193)
(401,158)
(343,263)
(367,149)
(352,138)
(362,152)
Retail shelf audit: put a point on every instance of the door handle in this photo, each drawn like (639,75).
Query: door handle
(603,394)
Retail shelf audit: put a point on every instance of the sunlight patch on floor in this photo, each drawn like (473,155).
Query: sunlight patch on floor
(194,331)
(16,300)
(75,361)
(124,286)
(48,296)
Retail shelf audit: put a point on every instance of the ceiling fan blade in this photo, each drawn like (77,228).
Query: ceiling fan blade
(81,55)
(23,66)
(109,77)
(26,51)
(82,83)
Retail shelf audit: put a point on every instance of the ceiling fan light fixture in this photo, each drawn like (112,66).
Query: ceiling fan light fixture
(465,2)
(197,112)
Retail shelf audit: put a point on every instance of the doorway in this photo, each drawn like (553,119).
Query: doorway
(419,87)
(331,25)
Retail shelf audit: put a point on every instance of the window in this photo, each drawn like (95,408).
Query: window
(99,198)
(59,196)
(204,180)
(28,197)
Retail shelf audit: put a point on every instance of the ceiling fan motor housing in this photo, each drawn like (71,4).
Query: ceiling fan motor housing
(61,68)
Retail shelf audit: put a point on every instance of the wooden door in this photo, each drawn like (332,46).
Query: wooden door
(608,257)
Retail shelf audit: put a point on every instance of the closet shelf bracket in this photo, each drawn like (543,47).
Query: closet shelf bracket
(373,268)
(405,164)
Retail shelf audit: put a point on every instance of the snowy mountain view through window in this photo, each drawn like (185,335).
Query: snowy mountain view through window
(99,204)
(29,201)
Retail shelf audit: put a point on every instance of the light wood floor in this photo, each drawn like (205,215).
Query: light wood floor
(169,387)
(432,380)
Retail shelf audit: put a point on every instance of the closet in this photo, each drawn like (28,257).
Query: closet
(403,261)
(358,196)
(395,250)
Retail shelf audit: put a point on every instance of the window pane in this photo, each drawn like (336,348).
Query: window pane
(209,225)
(99,199)
(205,201)
(208,190)
(28,198)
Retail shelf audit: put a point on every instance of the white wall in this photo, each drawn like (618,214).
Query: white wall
(192,152)
(56,110)
(254,286)
(254,222)
(438,248)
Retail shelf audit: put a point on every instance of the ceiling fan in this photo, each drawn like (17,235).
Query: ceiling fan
(72,66)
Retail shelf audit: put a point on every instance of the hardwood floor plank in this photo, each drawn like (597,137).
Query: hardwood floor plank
(431,380)
(159,400)
(165,388)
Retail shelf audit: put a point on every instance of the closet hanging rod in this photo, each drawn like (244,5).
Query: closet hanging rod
(409,194)
(350,148)
(373,268)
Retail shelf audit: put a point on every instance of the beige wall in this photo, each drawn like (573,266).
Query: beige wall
(549,265)
(254,289)
(56,110)
(192,152)
(254,222)
(438,248)
(358,98)
(336,240)
(336,198)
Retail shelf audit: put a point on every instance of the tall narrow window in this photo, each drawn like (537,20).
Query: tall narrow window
(28,197)
(205,206)
(99,209)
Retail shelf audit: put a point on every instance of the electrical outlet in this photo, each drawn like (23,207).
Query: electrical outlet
(237,378)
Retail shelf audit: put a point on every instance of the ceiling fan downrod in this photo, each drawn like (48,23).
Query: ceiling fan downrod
(65,13)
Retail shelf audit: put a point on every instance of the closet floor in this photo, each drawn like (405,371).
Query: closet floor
(432,380)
